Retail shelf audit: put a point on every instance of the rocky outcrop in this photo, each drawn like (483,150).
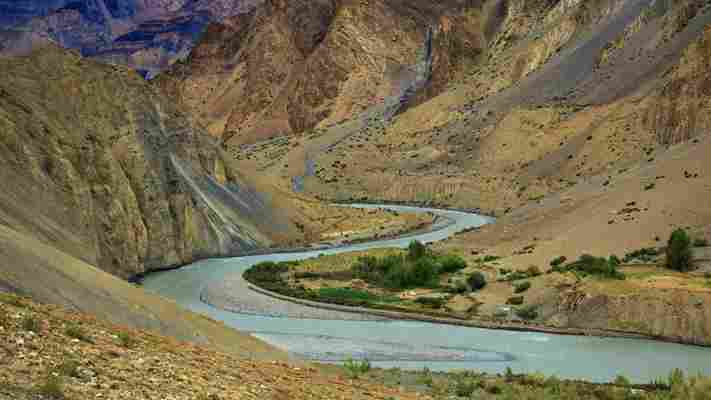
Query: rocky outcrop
(103,168)
(291,66)
(673,314)
(682,109)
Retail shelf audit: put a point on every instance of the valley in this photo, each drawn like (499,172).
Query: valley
(551,148)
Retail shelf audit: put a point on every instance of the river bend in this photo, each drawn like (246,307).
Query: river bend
(332,336)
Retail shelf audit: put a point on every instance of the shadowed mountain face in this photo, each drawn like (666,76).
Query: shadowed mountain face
(147,35)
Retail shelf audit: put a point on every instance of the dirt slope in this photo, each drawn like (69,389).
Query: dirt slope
(147,366)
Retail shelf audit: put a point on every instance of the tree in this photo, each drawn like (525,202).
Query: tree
(679,251)
(476,281)
(416,250)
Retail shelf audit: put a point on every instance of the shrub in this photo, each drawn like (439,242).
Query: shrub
(266,271)
(465,387)
(522,287)
(679,251)
(515,276)
(424,272)
(451,264)
(416,250)
(77,332)
(69,367)
(553,383)
(515,300)
(622,380)
(490,258)
(126,340)
(647,254)
(558,261)
(476,281)
(597,266)
(30,323)
(356,368)
(527,313)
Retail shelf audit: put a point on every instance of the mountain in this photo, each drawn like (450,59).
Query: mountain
(147,35)
(520,98)
(290,66)
(106,170)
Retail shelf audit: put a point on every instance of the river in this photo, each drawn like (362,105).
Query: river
(410,344)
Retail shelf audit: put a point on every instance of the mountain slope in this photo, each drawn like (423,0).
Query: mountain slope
(290,66)
(108,171)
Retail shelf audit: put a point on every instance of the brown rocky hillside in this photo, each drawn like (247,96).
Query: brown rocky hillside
(292,65)
(525,97)
(47,352)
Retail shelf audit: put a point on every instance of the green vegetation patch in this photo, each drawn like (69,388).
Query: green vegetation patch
(588,265)
(647,255)
(679,257)
(419,267)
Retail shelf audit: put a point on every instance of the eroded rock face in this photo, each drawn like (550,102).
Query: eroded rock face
(670,313)
(291,66)
(97,164)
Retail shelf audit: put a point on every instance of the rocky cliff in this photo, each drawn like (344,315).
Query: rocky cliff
(97,164)
(293,65)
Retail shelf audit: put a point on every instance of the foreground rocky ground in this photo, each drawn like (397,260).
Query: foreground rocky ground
(50,353)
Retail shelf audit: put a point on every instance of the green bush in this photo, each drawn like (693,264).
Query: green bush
(527,313)
(476,281)
(490,258)
(451,264)
(465,387)
(425,272)
(77,332)
(596,266)
(30,323)
(416,250)
(266,271)
(515,276)
(701,242)
(69,367)
(679,251)
(647,254)
(522,287)
(515,300)
(126,340)
(356,368)
(559,261)
(622,380)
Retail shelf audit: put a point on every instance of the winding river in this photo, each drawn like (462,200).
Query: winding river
(408,344)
